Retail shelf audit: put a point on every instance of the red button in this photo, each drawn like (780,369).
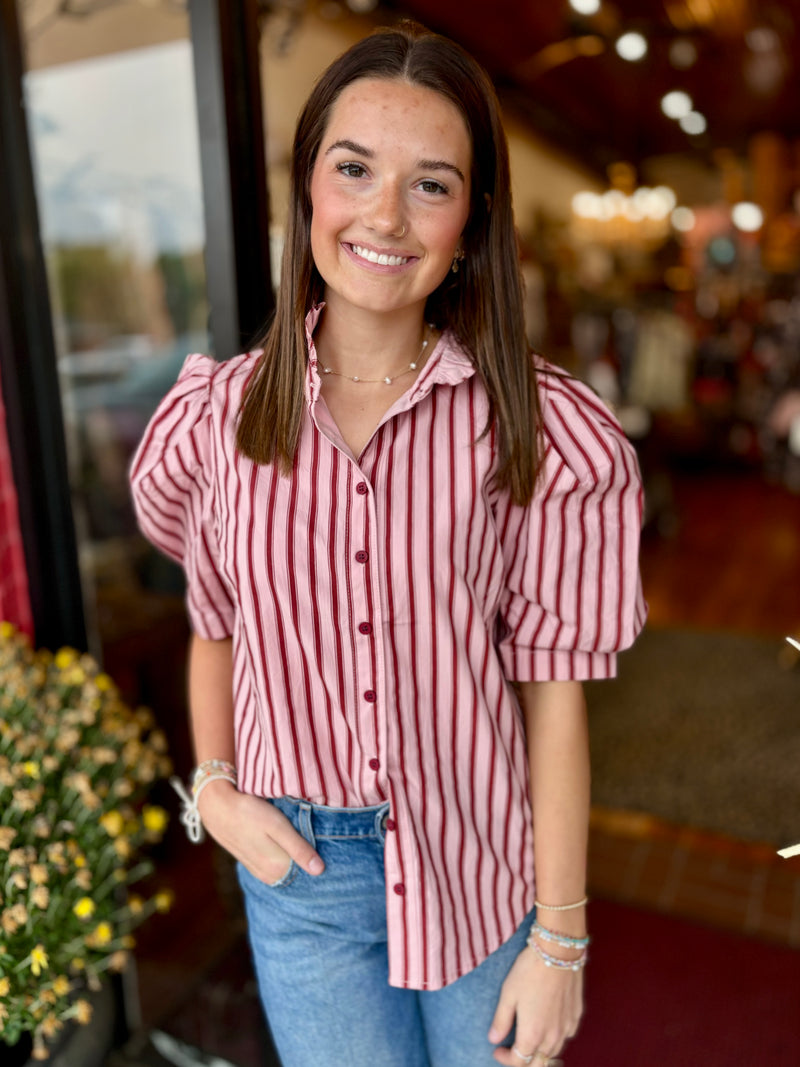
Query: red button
(365,628)
(390,824)
(362,556)
(362,488)
(375,764)
(370,696)
(400,889)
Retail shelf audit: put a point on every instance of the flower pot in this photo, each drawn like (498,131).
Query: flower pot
(17,1055)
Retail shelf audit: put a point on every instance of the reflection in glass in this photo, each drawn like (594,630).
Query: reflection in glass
(114,140)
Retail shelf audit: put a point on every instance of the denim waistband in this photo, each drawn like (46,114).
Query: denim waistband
(334,822)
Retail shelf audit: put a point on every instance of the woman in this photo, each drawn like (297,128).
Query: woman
(405,549)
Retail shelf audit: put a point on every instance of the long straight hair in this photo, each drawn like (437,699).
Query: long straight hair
(482,303)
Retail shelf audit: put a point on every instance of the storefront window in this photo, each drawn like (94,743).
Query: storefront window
(113,132)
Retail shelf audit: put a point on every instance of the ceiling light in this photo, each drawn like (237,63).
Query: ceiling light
(585,7)
(747,217)
(683,219)
(762,39)
(631,46)
(682,53)
(694,123)
(676,104)
(587,205)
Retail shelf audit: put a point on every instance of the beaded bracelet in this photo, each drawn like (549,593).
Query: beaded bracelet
(207,772)
(210,769)
(561,907)
(555,961)
(564,940)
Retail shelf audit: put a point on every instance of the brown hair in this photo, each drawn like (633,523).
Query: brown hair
(482,303)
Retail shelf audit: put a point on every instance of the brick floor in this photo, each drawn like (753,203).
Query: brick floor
(739,886)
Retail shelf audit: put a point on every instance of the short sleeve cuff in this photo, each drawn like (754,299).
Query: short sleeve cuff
(209,625)
(556,665)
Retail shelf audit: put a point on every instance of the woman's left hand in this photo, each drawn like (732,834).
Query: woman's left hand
(545,1002)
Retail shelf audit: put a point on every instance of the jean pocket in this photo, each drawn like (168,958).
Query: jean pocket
(285,879)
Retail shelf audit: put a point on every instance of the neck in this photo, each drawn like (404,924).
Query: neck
(369,346)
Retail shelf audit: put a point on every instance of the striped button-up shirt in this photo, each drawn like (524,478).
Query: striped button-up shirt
(379,606)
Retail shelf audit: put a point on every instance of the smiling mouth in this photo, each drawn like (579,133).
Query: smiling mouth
(381,258)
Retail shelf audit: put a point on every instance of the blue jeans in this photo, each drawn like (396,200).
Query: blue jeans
(319,947)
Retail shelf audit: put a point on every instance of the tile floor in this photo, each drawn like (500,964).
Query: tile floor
(738,886)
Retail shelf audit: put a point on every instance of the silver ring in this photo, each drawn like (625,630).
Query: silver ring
(522,1056)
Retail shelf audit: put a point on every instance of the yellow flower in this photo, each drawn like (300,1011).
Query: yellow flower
(128,941)
(83,879)
(61,985)
(103,933)
(79,860)
(7,631)
(117,961)
(103,682)
(164,900)
(14,917)
(25,800)
(136,904)
(122,847)
(40,897)
(83,1011)
(77,965)
(19,879)
(158,741)
(154,819)
(3,1014)
(65,657)
(41,826)
(38,960)
(51,1025)
(5,986)
(85,908)
(7,835)
(39,874)
(31,768)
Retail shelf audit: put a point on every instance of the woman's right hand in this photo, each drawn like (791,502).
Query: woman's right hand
(255,832)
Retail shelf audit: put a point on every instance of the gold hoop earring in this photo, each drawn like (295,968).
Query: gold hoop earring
(457,258)
(403,231)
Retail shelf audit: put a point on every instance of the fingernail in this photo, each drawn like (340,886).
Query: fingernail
(316,866)
(494,1037)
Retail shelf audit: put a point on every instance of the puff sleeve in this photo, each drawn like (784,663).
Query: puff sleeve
(573,595)
(172,480)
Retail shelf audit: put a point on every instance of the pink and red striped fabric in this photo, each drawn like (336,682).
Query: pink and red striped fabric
(15,606)
(379,607)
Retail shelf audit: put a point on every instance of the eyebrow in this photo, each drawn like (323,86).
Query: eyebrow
(423,164)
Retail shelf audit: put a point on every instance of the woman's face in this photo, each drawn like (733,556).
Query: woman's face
(390,195)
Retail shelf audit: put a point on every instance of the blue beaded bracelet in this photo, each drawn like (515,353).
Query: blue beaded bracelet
(564,940)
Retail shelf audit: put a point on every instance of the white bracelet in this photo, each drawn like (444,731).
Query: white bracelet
(561,907)
(190,813)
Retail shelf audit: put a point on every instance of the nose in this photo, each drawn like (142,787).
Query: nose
(386,214)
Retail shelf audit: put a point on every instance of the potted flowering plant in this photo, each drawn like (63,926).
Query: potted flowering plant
(76,765)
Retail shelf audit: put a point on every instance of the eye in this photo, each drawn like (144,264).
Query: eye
(351,170)
(430,185)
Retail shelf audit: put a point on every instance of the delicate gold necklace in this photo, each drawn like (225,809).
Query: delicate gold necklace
(387,380)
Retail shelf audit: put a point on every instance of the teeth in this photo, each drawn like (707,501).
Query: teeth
(379,257)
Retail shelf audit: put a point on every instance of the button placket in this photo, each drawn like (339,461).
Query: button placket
(365,603)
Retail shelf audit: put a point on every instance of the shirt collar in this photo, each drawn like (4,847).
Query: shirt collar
(448,364)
